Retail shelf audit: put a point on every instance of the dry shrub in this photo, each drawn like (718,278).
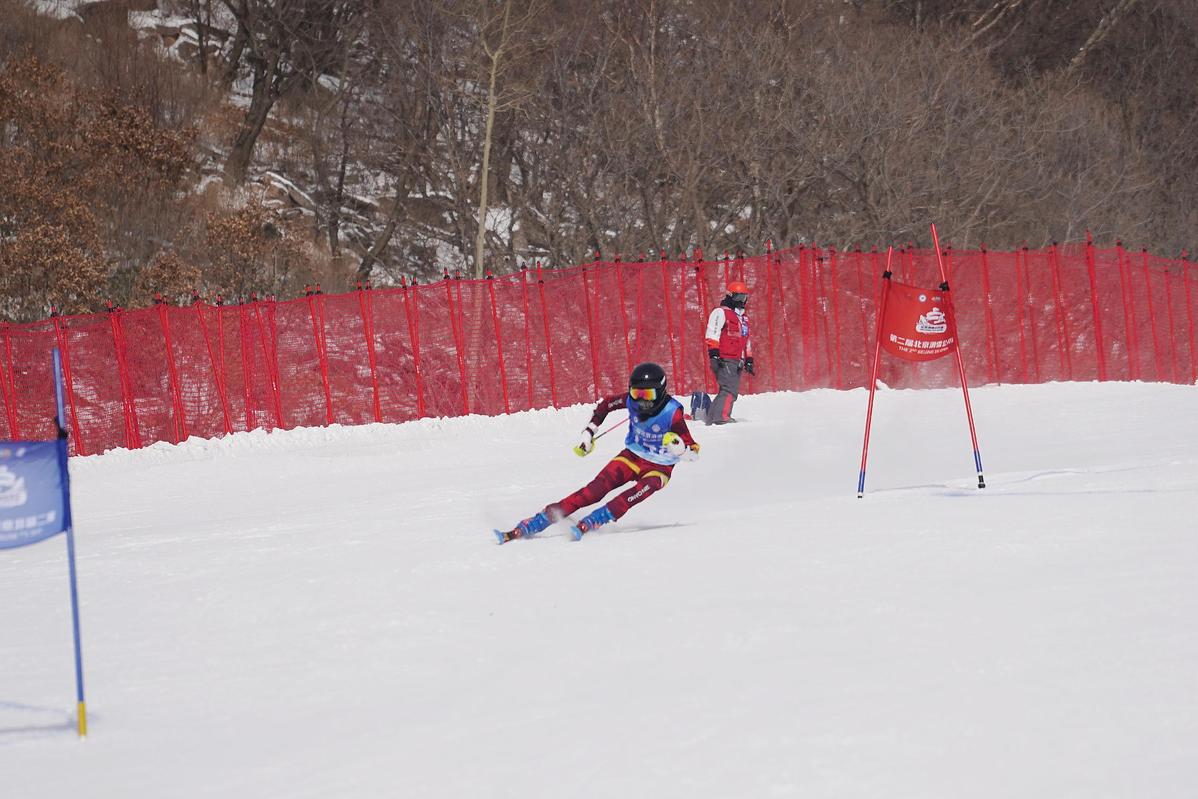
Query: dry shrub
(249,250)
(170,277)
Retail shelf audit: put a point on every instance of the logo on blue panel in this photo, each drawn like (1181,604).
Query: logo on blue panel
(12,489)
(32,497)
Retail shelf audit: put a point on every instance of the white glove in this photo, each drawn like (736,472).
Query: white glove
(674,445)
(586,441)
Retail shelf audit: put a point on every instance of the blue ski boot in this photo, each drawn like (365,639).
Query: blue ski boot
(596,518)
(529,527)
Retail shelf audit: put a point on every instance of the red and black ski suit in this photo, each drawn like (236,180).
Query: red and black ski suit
(643,461)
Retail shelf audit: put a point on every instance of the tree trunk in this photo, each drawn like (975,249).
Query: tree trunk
(480,236)
(262,100)
(384,237)
(201,35)
(1108,22)
(339,191)
(239,42)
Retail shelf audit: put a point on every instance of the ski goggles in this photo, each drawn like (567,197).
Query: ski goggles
(643,393)
(741,298)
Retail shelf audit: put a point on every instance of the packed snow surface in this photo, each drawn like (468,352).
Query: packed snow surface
(326,613)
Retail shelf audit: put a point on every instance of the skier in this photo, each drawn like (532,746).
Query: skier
(729,352)
(657,439)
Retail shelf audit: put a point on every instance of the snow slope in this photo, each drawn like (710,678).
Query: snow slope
(325,613)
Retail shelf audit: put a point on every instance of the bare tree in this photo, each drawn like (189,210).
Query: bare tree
(289,42)
(504,41)
(1101,32)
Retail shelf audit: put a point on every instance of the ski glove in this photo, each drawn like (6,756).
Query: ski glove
(713,355)
(692,452)
(749,366)
(586,441)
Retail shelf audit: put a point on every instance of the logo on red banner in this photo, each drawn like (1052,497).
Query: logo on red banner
(916,323)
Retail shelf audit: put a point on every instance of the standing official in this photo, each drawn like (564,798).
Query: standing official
(728,350)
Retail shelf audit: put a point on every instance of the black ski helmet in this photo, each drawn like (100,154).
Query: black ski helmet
(648,375)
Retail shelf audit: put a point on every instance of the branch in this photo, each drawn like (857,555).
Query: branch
(1105,26)
(999,10)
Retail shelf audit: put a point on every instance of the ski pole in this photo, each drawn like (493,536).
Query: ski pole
(580,452)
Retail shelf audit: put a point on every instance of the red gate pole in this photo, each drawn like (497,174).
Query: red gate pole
(461,322)
(586,292)
(268,360)
(769,313)
(859,266)
(818,275)
(458,343)
(507,406)
(8,385)
(1131,339)
(1098,343)
(217,378)
(1185,275)
(321,361)
(548,343)
(702,290)
(270,344)
(597,298)
(1020,302)
(262,345)
(816,298)
(665,300)
(832,278)
(179,423)
(977,456)
(366,311)
(1156,341)
(272,308)
(873,372)
(1031,314)
(623,310)
(411,309)
(247,363)
(640,309)
(324,346)
(220,349)
(527,333)
(1172,330)
(786,339)
(128,406)
(806,301)
(682,324)
(1063,339)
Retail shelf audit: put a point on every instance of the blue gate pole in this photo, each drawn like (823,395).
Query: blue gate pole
(80,706)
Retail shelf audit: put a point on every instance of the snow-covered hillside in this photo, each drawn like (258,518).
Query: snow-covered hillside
(325,613)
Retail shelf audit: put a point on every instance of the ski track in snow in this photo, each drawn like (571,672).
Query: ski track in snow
(325,612)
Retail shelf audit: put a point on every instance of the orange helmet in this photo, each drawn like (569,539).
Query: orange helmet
(737,287)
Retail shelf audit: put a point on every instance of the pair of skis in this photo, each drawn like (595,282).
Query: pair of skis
(512,535)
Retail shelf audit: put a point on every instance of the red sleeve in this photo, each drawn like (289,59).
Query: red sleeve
(678,425)
(606,405)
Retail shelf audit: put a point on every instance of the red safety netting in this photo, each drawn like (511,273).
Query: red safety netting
(540,338)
